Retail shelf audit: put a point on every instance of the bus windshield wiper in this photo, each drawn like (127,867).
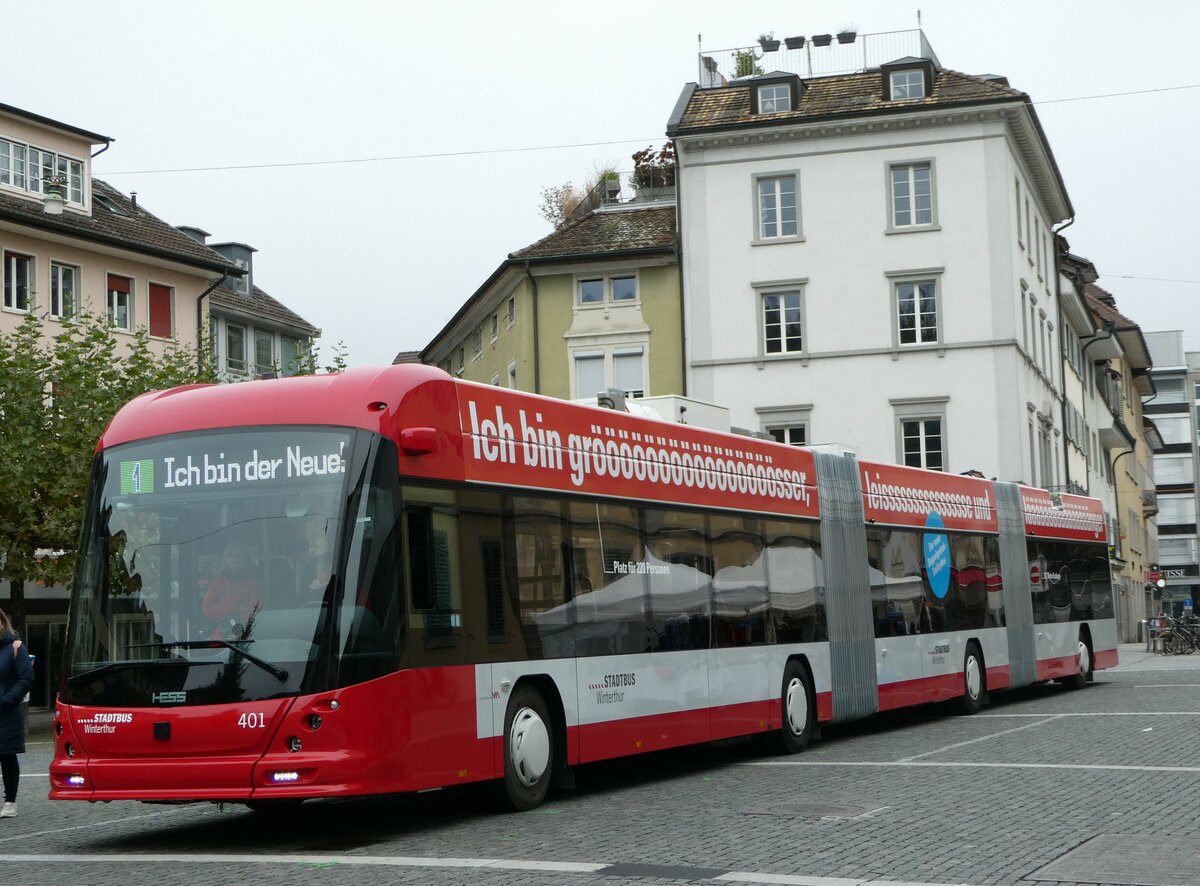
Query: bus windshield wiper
(278,673)
(108,667)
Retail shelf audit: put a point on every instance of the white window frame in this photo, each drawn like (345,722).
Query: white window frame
(242,284)
(787,434)
(921,409)
(607,355)
(1020,227)
(511,312)
(770,94)
(226,362)
(512,375)
(477,342)
(57,303)
(273,366)
(495,327)
(112,302)
(795,293)
(773,418)
(606,281)
(12,259)
(916,278)
(761,237)
(895,226)
(29,179)
(903,81)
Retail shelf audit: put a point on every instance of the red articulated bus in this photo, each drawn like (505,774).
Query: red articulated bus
(388,580)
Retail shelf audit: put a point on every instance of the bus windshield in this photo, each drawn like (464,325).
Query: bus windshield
(213,566)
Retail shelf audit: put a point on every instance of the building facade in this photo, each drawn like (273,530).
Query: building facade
(1173,409)
(593,306)
(869,259)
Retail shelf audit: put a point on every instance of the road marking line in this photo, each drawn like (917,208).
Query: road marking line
(1100,714)
(960,744)
(1166,685)
(90,825)
(796,880)
(508,864)
(932,764)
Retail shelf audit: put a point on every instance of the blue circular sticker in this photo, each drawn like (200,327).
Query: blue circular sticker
(937,556)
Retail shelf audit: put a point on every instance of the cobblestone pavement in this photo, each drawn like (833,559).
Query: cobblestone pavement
(923,796)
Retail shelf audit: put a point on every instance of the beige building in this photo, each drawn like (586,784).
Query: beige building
(593,306)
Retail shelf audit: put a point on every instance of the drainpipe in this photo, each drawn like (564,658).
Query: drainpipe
(1113,470)
(679,261)
(200,316)
(1062,357)
(537,363)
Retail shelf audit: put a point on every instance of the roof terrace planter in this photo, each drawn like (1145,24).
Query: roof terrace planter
(655,192)
(768,44)
(794,42)
(822,39)
(847,36)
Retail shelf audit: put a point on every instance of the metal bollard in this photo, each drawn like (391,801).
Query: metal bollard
(1146,634)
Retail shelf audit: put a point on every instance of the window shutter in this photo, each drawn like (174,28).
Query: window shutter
(118,284)
(160,311)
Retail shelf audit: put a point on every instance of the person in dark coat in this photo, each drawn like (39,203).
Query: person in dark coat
(16,676)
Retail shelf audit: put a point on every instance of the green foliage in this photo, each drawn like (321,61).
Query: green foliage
(745,64)
(306,363)
(654,169)
(57,394)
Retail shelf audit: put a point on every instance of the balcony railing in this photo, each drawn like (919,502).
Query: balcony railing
(718,67)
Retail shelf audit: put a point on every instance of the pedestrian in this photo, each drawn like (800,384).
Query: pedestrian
(16,676)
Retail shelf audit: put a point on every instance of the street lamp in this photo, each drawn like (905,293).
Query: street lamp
(53,194)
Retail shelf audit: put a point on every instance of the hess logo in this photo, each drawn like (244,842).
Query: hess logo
(168,697)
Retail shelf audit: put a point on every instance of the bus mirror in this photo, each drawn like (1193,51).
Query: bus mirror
(418,441)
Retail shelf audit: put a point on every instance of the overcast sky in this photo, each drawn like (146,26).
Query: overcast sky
(471,102)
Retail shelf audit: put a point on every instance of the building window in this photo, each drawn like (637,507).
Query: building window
(598,290)
(162,324)
(1176,510)
(1020,227)
(922,443)
(18,281)
(495,326)
(291,353)
(477,341)
(512,374)
(495,380)
(120,302)
(242,283)
(792,435)
(782,323)
(1173,470)
(778,212)
(917,312)
(511,316)
(64,283)
(460,357)
(26,168)
(912,195)
(599,370)
(589,374)
(628,372)
(235,348)
(264,352)
(774,99)
(907,84)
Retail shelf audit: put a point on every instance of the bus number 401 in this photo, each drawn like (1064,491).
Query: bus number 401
(253,721)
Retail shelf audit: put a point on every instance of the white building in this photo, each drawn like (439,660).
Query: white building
(869,259)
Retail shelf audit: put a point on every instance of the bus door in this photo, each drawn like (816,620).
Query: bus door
(941,660)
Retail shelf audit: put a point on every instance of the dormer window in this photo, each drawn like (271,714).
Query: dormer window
(775,93)
(907,84)
(25,167)
(242,284)
(774,99)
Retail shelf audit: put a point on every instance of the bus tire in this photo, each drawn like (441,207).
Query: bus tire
(528,749)
(974,681)
(797,711)
(1084,657)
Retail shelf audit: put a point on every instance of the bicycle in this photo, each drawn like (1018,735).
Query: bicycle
(1181,636)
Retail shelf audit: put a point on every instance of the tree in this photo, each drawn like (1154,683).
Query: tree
(654,169)
(57,395)
(558,202)
(745,64)
(306,363)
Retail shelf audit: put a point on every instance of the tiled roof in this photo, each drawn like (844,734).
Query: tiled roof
(264,307)
(608,231)
(408,357)
(859,94)
(133,228)
(1104,306)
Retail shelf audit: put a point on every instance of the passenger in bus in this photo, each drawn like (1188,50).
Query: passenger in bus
(235,593)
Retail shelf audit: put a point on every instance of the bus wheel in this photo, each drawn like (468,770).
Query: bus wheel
(797,710)
(1080,680)
(528,749)
(974,681)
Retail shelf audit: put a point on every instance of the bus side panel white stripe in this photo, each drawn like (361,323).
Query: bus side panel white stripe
(484,727)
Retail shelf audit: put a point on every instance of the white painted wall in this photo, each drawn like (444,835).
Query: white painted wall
(851,371)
